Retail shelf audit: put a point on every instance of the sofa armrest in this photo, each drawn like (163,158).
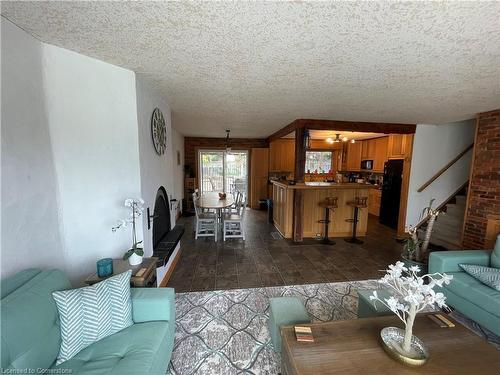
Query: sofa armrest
(448,261)
(151,304)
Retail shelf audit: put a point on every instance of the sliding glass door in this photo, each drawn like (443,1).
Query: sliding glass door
(223,171)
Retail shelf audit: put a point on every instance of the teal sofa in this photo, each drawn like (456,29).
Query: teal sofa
(466,294)
(31,335)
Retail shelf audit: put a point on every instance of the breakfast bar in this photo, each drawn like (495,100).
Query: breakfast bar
(313,193)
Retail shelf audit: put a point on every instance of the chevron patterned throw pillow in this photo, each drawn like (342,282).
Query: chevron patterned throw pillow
(487,275)
(91,313)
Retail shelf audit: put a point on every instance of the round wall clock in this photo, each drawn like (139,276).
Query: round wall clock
(159,131)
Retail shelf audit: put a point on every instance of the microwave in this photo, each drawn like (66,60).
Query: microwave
(367,164)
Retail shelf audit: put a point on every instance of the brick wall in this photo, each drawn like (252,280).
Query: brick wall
(484,185)
(192,145)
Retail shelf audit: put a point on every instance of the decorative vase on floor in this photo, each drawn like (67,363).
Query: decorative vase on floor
(135,259)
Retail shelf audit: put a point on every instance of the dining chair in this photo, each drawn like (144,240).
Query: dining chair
(206,223)
(233,223)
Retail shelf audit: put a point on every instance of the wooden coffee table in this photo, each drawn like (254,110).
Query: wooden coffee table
(353,347)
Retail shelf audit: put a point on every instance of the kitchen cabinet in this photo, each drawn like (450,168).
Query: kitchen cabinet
(380,154)
(368,149)
(399,146)
(374,198)
(354,156)
(282,155)
(258,176)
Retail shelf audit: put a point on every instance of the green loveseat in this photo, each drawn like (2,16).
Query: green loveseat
(31,335)
(466,294)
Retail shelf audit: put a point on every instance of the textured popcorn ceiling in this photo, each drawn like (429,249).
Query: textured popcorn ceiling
(255,67)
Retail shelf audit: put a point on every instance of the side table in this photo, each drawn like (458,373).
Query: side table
(143,275)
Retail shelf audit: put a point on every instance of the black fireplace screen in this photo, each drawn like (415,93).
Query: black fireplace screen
(164,239)
(161,219)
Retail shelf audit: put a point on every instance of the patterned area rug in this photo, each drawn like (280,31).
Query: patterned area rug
(225,332)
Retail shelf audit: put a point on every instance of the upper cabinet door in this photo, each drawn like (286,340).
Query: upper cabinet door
(380,158)
(354,156)
(399,145)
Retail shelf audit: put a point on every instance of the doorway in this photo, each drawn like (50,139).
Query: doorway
(223,171)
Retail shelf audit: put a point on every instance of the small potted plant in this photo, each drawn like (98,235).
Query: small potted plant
(135,253)
(415,251)
(410,295)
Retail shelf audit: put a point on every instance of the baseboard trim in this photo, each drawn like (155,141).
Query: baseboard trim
(171,269)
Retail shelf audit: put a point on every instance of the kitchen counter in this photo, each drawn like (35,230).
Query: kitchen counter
(325,185)
(312,194)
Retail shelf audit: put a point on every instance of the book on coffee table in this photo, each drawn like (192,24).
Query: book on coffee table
(304,334)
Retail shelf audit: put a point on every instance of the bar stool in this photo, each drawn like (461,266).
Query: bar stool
(358,203)
(330,203)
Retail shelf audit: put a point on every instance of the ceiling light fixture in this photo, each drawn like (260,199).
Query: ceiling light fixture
(337,138)
(329,140)
(353,140)
(345,139)
(227,140)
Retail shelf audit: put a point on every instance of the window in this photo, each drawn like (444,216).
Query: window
(319,161)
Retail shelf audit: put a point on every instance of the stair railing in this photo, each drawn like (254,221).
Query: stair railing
(445,202)
(445,168)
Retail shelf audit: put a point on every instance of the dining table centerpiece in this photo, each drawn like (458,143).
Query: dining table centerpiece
(410,293)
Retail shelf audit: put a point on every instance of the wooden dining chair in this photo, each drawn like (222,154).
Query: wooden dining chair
(233,222)
(206,223)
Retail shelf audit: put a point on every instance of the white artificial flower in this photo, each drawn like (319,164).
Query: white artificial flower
(374,296)
(129,202)
(415,269)
(447,278)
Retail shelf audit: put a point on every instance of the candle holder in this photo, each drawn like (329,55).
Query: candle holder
(105,267)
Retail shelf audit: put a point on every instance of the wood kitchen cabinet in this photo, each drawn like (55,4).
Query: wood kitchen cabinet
(374,198)
(399,145)
(258,176)
(368,149)
(380,154)
(282,155)
(354,151)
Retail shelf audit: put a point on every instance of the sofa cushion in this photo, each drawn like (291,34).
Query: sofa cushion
(495,254)
(91,313)
(467,287)
(143,348)
(489,276)
(30,324)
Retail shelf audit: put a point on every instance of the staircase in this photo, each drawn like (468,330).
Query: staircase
(447,232)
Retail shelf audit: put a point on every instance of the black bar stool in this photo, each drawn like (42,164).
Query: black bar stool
(358,203)
(330,203)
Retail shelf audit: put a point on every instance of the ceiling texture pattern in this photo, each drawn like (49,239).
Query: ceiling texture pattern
(254,67)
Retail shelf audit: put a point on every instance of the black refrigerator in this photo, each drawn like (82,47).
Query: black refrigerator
(391,193)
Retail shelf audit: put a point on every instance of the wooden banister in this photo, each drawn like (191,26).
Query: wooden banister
(445,168)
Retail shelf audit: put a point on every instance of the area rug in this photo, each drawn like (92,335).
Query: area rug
(225,332)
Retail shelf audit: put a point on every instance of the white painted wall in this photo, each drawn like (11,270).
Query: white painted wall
(178,169)
(93,124)
(156,170)
(29,205)
(434,146)
(70,156)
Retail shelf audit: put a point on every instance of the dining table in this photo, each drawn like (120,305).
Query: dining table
(211,201)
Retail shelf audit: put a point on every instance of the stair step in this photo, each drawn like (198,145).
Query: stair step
(449,245)
(449,219)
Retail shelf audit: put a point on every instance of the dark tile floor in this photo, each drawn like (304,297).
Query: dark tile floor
(266,259)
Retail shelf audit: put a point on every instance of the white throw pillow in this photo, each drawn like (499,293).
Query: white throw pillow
(91,313)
